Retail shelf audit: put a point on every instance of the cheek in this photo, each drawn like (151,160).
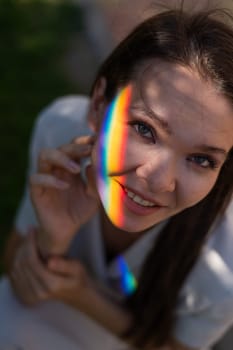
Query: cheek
(117,153)
(194,189)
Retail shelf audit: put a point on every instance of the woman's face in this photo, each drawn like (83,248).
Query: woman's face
(177,132)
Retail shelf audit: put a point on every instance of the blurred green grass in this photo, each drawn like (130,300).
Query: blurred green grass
(33,37)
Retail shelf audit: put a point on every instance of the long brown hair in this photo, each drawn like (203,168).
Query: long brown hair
(205,43)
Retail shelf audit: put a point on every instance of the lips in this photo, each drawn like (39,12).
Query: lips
(128,189)
(135,207)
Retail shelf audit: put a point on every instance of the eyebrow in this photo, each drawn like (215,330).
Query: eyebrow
(212,149)
(165,126)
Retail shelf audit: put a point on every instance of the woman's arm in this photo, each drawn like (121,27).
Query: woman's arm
(107,312)
(96,301)
(113,316)
(92,299)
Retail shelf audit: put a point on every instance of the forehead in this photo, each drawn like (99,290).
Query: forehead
(181,97)
(163,84)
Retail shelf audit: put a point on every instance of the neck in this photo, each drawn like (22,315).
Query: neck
(115,239)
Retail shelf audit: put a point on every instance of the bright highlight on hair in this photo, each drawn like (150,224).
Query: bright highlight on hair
(113,138)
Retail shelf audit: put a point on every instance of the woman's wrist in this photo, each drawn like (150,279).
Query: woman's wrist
(47,248)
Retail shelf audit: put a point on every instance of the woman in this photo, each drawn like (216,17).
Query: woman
(168,89)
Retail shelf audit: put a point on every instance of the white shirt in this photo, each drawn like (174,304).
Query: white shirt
(205,307)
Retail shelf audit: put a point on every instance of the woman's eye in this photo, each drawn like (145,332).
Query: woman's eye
(144,130)
(203,161)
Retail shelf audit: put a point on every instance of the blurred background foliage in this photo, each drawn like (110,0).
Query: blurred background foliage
(33,39)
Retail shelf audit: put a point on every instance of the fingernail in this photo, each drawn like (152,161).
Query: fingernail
(74,166)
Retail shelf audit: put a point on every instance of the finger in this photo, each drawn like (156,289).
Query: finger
(77,151)
(48,281)
(84,140)
(50,158)
(36,289)
(48,181)
(67,278)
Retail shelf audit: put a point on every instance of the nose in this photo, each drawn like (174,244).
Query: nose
(159,172)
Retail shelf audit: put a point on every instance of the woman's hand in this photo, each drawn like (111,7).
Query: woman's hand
(34,282)
(63,202)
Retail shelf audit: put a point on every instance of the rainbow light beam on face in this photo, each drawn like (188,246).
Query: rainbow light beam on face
(112,146)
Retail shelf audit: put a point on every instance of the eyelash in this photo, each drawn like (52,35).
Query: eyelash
(212,163)
(149,129)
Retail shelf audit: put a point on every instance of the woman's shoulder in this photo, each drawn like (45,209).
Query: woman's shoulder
(211,280)
(62,120)
(221,238)
(65,108)
(205,305)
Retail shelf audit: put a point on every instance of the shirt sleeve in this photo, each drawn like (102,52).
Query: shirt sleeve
(205,312)
(57,124)
(202,330)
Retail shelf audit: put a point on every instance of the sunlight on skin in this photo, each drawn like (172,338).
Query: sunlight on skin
(112,146)
(114,135)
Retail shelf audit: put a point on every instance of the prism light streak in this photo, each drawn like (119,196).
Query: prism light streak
(113,139)
(128,281)
(112,146)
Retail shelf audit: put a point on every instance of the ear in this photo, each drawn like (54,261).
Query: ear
(97,105)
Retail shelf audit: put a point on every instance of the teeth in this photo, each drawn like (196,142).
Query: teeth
(139,200)
(130,194)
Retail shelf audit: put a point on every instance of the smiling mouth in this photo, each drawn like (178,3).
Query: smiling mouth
(137,199)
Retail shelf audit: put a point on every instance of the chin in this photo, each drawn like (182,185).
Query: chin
(131,227)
